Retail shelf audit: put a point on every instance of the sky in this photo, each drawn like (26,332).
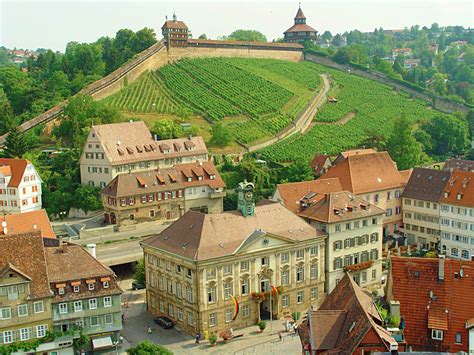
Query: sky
(52,24)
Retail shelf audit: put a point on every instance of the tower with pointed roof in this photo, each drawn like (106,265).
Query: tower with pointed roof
(300,31)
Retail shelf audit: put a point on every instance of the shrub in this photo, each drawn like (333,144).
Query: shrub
(393,321)
(213,338)
(296,315)
(375,293)
(262,325)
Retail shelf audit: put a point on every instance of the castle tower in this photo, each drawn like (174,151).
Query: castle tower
(175,32)
(245,199)
(300,31)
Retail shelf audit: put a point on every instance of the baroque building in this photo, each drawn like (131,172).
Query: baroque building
(261,258)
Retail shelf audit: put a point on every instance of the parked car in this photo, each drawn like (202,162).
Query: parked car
(164,322)
(136,285)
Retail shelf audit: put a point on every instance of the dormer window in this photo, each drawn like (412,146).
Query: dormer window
(200,178)
(212,177)
(105,284)
(446,194)
(190,179)
(76,288)
(459,196)
(90,284)
(61,290)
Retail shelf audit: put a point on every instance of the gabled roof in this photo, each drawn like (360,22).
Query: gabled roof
(131,142)
(25,252)
(339,207)
(28,221)
(317,164)
(452,305)
(291,193)
(343,319)
(459,190)
(172,24)
(426,184)
(199,236)
(459,164)
(16,169)
(367,172)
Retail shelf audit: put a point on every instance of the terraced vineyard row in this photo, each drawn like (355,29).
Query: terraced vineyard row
(148,94)
(377,107)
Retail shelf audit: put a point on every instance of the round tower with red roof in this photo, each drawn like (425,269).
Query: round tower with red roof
(300,31)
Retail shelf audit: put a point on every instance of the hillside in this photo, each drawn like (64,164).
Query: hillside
(255,98)
(363,108)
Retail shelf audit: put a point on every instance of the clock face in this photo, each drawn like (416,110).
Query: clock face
(265,242)
(248,196)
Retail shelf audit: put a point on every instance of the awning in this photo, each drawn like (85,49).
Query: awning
(75,283)
(103,279)
(91,281)
(102,343)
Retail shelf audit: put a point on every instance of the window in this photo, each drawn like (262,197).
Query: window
(90,286)
(5,313)
(454,252)
(347,243)
(94,321)
(299,274)
(338,227)
(211,294)
(337,263)
(314,271)
(265,261)
(436,334)
(313,251)
(108,301)
(170,310)
(299,254)
(62,308)
(285,301)
(228,315)
(285,257)
(22,310)
(376,198)
(105,284)
(189,273)
(364,276)
(76,288)
(179,290)
(465,254)
(388,213)
(299,297)
(314,293)
(179,311)
(211,273)
(244,266)
(170,286)
(389,195)
(374,274)
(365,223)
(374,221)
(162,306)
(245,311)
(227,290)
(25,334)
(374,237)
(41,330)
(227,269)
(93,303)
(77,306)
(212,319)
(38,307)
(12,292)
(190,318)
(245,287)
(61,290)
(189,294)
(398,210)
(285,277)
(348,226)
(108,318)
(337,245)
(458,338)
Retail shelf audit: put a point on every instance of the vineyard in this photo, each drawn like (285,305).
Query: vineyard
(268,94)
(376,106)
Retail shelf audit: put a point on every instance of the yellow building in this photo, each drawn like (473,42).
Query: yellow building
(25,295)
(203,264)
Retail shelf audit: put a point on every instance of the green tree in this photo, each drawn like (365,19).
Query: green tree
(15,144)
(87,198)
(342,56)
(202,36)
(148,348)
(139,274)
(142,39)
(403,147)
(247,35)
(326,36)
(299,170)
(166,128)
(449,134)
(221,135)
(7,120)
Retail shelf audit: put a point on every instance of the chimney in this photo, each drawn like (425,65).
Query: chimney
(91,249)
(395,308)
(441,267)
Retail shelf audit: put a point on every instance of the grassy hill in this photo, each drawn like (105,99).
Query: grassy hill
(255,98)
(371,106)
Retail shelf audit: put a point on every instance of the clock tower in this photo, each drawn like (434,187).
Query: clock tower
(246,201)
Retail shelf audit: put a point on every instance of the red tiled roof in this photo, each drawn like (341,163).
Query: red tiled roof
(28,221)
(17,167)
(24,253)
(175,25)
(459,190)
(244,43)
(367,172)
(318,163)
(300,27)
(411,280)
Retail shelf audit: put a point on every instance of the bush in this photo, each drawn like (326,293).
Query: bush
(213,338)
(375,293)
(296,315)
(393,321)
(147,347)
(262,325)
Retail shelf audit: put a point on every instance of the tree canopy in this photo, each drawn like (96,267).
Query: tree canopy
(247,35)
(148,348)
